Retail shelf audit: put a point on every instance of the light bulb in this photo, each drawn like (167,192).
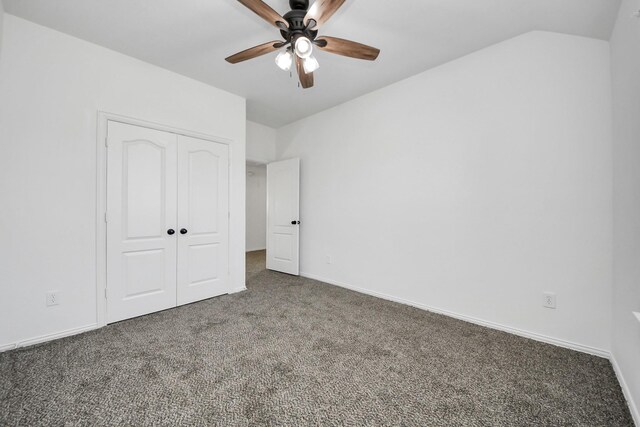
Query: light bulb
(310,65)
(304,47)
(284,60)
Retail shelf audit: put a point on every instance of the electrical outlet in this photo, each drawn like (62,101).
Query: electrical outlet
(549,300)
(53,298)
(328,259)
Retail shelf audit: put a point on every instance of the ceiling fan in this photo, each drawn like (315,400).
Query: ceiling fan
(299,29)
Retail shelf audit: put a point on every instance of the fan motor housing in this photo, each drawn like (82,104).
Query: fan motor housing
(299,4)
(297,28)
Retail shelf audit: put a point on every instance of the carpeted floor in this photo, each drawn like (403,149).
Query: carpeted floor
(295,352)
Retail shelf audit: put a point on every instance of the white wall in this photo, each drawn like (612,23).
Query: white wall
(261,143)
(625,61)
(256,207)
(1,25)
(472,188)
(52,87)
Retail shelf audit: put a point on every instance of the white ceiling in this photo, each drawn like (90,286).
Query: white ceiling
(192,37)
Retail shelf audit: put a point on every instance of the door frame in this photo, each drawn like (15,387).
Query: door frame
(101,195)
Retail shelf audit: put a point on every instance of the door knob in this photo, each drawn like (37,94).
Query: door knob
(295,222)
(183,231)
(171,232)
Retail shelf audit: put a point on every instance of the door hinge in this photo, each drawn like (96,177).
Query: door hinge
(105,217)
(106,141)
(105,293)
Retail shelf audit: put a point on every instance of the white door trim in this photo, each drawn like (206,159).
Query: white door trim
(101,192)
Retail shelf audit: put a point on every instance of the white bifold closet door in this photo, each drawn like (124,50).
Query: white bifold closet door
(167,220)
(203,212)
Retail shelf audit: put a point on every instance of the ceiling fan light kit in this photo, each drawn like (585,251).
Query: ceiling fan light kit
(299,29)
(284,60)
(304,48)
(310,65)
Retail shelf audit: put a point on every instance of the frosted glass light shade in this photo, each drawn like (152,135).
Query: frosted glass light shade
(304,47)
(310,65)
(284,60)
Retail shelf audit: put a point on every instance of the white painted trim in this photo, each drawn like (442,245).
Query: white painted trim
(7,347)
(493,325)
(101,226)
(50,337)
(635,414)
(103,115)
(237,290)
(101,195)
(256,249)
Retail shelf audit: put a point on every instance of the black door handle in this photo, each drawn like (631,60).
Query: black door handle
(183,231)
(171,232)
(295,222)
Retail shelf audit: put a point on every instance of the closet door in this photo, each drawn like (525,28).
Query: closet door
(203,218)
(141,221)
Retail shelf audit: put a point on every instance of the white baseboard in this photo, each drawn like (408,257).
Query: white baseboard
(49,337)
(626,391)
(493,325)
(237,290)
(8,347)
(255,249)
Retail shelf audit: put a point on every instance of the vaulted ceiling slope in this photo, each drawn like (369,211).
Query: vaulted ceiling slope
(193,37)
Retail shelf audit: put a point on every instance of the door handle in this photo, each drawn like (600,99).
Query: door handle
(295,222)
(171,232)
(183,231)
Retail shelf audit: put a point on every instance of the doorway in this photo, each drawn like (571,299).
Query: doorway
(272,213)
(256,225)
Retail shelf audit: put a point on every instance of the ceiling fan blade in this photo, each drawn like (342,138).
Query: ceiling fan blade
(254,52)
(306,80)
(265,11)
(347,48)
(322,10)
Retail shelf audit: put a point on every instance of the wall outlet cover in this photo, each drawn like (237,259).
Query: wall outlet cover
(53,298)
(549,300)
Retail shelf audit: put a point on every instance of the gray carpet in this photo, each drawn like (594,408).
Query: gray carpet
(295,352)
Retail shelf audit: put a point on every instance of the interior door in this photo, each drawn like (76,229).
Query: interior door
(283,222)
(203,218)
(141,221)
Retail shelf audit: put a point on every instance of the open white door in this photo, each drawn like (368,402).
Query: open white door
(283,222)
